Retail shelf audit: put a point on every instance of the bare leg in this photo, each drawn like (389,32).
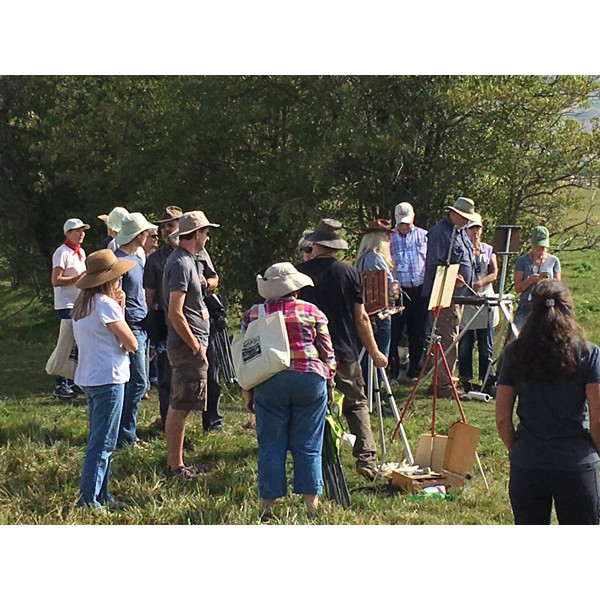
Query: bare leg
(174,433)
(267,507)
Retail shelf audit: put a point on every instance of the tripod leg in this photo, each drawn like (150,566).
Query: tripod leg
(377,394)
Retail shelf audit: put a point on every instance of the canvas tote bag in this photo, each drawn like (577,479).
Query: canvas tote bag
(263,351)
(63,360)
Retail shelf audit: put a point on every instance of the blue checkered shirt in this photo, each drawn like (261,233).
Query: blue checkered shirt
(408,253)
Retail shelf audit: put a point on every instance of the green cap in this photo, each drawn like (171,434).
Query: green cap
(540,236)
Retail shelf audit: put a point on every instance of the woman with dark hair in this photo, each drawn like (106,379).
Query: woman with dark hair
(555,373)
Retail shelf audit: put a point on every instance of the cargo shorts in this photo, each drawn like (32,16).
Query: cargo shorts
(188,379)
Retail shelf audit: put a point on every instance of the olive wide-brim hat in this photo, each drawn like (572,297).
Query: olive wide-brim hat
(465,207)
(329,234)
(103,266)
(281,279)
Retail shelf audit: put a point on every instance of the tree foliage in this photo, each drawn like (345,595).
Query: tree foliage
(267,157)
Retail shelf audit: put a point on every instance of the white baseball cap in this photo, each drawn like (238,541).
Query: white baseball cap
(74,224)
(404,213)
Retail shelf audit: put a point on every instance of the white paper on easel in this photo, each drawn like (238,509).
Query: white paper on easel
(445,281)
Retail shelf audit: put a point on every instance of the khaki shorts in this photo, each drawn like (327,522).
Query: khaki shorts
(188,380)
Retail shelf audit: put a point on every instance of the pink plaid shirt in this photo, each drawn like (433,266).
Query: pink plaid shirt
(311,350)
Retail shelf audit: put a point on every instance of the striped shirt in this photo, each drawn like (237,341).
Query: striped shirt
(408,253)
(311,350)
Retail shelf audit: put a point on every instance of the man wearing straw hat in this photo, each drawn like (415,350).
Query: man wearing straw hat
(338,292)
(438,249)
(188,329)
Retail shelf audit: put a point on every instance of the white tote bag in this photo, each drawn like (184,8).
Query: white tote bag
(63,360)
(263,351)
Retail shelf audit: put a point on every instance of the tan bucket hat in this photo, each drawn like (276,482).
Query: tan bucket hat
(192,221)
(281,279)
(171,213)
(102,266)
(465,207)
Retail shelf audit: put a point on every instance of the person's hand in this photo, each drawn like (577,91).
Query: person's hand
(248,396)
(460,281)
(477,285)
(534,278)
(379,359)
(119,296)
(203,282)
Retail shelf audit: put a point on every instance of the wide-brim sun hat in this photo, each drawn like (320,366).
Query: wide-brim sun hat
(379,226)
(114,217)
(329,234)
(404,213)
(465,207)
(474,222)
(281,279)
(103,266)
(132,225)
(170,213)
(192,221)
(71,224)
(540,236)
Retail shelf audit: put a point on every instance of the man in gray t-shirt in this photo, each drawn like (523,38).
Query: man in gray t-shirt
(187,335)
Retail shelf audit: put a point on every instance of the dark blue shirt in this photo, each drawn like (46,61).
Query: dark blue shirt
(133,286)
(438,243)
(553,430)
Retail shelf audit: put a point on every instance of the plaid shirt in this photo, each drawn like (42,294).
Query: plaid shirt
(408,253)
(311,350)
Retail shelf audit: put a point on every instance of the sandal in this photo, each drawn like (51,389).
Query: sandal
(184,473)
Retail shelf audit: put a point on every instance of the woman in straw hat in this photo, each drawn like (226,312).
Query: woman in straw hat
(290,406)
(555,373)
(374,255)
(103,339)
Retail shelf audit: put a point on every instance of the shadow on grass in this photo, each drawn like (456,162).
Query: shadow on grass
(46,436)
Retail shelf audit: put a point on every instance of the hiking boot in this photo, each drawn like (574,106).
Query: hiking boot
(64,391)
(366,471)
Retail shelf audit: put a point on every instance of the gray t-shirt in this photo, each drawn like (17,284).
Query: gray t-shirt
(525,265)
(181,275)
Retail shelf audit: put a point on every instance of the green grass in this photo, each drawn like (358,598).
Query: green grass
(43,439)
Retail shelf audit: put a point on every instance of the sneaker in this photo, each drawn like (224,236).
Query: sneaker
(64,391)
(184,473)
(76,388)
(114,504)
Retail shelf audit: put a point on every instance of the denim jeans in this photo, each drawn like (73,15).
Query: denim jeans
(105,403)
(135,388)
(63,313)
(290,415)
(383,335)
(485,345)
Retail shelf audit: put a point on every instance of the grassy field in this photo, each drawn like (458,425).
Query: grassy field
(43,439)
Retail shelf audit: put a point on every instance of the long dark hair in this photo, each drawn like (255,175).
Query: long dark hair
(551,343)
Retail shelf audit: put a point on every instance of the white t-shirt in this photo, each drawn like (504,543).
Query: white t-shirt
(101,358)
(67,259)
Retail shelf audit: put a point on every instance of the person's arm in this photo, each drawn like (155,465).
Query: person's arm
(592,392)
(150,294)
(124,335)
(505,402)
(365,333)
(522,283)
(211,283)
(180,324)
(491,276)
(59,280)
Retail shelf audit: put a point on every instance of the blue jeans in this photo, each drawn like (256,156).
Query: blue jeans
(383,336)
(63,313)
(290,415)
(135,388)
(485,344)
(105,403)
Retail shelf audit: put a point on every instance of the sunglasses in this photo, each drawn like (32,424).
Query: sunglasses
(306,249)
(154,236)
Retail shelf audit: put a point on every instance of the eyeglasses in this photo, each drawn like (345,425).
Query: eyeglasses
(306,249)
(154,236)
